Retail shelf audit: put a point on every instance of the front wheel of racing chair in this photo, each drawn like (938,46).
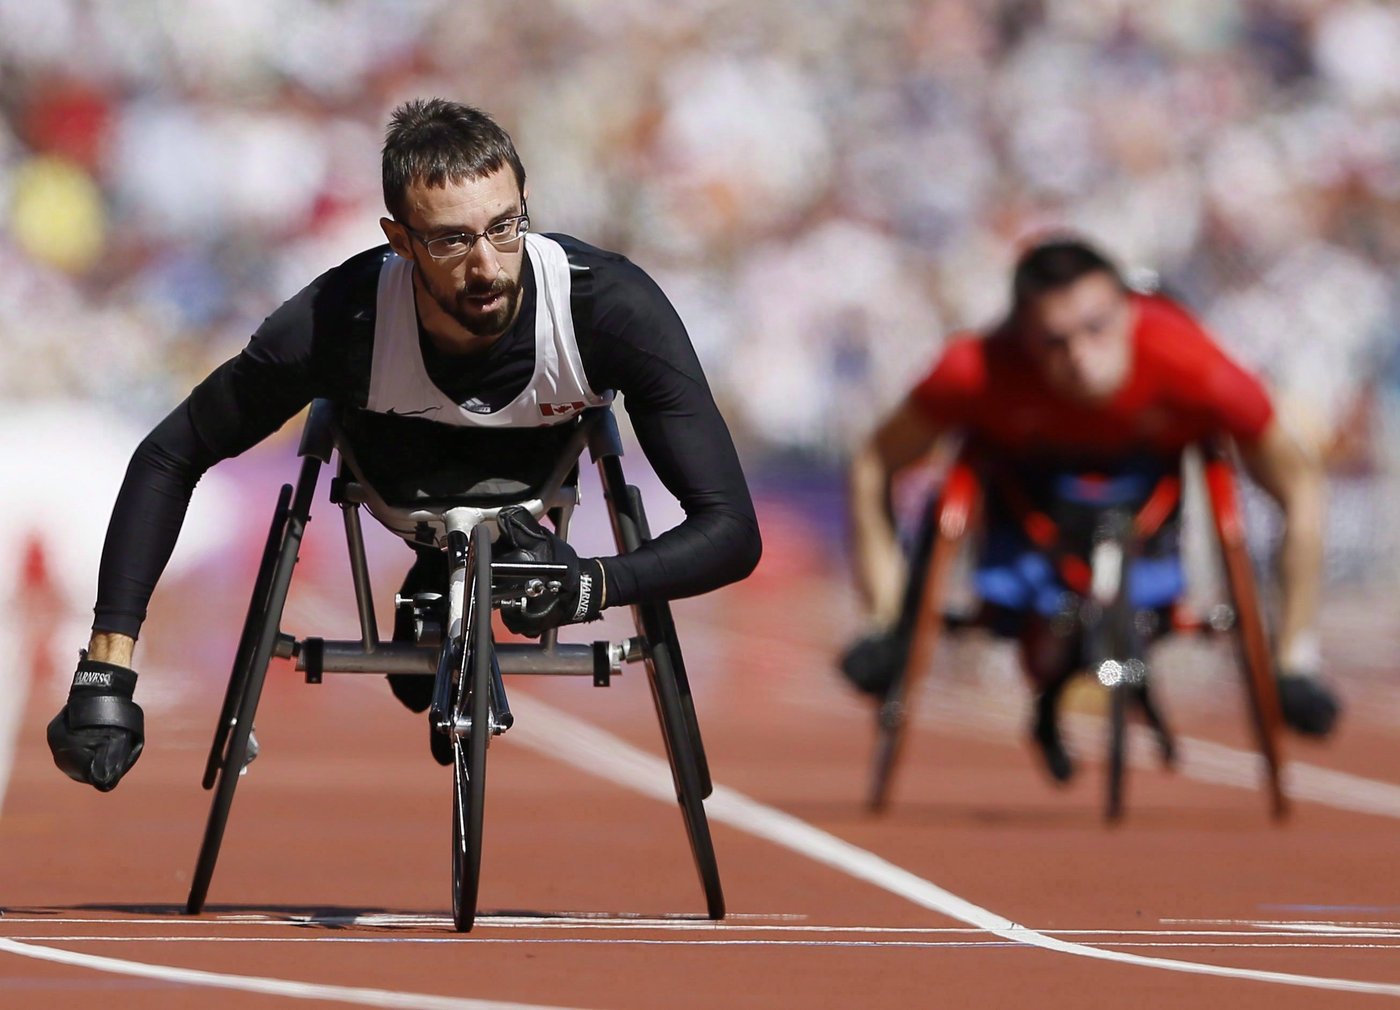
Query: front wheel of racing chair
(1113,646)
(465,676)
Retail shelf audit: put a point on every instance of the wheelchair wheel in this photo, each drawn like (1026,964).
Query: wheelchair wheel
(666,631)
(246,683)
(473,701)
(1112,646)
(248,640)
(685,772)
(921,619)
(890,717)
(1251,638)
(670,692)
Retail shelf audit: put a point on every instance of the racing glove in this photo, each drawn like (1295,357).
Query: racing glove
(874,660)
(582,588)
(1309,706)
(98,735)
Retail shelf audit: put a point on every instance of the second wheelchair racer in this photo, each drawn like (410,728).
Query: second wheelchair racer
(455,353)
(1084,374)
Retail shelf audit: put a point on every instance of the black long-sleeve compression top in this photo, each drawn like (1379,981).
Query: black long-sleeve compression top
(318,345)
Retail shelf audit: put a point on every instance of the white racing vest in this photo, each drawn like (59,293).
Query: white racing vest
(557,391)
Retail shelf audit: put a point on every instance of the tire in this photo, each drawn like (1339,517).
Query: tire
(288,525)
(469,752)
(685,773)
(890,716)
(670,692)
(1250,635)
(248,640)
(1117,744)
(921,618)
(665,627)
(1111,637)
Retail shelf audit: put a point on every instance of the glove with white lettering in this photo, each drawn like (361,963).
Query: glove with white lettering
(99,733)
(581,591)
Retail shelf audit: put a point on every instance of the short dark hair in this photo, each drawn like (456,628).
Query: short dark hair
(1056,263)
(434,140)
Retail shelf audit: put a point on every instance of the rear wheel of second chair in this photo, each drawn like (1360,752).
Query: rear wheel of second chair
(1251,638)
(469,749)
(920,624)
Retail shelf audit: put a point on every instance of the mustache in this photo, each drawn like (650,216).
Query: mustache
(499,286)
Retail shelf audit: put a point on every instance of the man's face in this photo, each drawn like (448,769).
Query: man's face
(481,290)
(1080,337)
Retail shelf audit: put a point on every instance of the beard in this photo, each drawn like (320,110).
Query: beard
(464,308)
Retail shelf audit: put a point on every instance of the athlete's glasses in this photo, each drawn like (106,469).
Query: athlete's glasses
(503,235)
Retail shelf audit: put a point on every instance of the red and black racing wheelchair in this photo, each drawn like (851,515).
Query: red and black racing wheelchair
(1113,633)
(452,643)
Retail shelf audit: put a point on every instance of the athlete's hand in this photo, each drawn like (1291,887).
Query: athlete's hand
(873,661)
(580,597)
(99,733)
(1309,706)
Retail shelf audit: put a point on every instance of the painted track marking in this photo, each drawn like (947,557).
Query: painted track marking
(551,732)
(1295,930)
(252,983)
(602,754)
(1257,944)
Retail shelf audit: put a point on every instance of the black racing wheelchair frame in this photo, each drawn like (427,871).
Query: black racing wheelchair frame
(453,642)
(1114,639)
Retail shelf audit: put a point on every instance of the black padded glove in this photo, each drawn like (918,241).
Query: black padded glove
(581,593)
(873,661)
(99,733)
(1309,706)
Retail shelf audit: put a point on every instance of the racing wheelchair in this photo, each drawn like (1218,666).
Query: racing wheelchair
(1104,527)
(451,637)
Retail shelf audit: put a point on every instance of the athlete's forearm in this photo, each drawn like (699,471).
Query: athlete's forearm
(880,567)
(879,563)
(1291,471)
(1300,575)
(718,542)
(706,551)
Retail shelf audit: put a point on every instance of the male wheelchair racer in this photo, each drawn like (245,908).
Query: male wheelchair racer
(1082,566)
(444,637)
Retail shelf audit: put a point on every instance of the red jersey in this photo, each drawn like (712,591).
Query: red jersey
(1181,388)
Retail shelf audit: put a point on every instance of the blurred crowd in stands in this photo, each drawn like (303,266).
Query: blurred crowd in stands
(826,188)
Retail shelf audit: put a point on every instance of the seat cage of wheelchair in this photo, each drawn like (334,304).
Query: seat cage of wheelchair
(425,524)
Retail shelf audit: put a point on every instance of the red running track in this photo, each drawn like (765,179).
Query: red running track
(982,886)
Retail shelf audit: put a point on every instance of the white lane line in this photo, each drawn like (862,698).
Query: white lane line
(552,733)
(253,983)
(1264,923)
(1295,930)
(1256,943)
(1321,928)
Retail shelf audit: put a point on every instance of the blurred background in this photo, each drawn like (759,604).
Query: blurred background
(825,188)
